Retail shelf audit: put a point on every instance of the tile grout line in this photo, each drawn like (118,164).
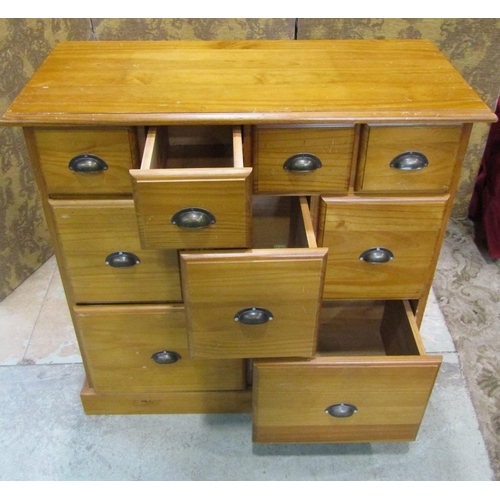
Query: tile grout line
(38,315)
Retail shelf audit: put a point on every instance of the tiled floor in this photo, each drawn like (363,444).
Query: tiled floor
(44,433)
(35,324)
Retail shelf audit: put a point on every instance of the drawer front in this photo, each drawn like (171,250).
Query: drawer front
(121,345)
(117,148)
(219,197)
(92,233)
(341,397)
(408,159)
(284,287)
(291,400)
(379,248)
(277,148)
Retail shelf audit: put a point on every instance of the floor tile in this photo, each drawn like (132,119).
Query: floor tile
(45,435)
(19,312)
(53,339)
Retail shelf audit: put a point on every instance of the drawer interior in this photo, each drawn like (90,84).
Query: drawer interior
(368,328)
(369,381)
(192,147)
(187,193)
(280,280)
(282,222)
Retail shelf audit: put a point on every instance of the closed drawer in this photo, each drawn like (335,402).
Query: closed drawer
(370,380)
(103,256)
(379,247)
(130,349)
(302,160)
(87,161)
(260,302)
(408,159)
(192,190)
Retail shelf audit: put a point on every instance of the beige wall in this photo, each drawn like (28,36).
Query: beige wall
(472,45)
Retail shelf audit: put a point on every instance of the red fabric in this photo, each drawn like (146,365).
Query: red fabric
(484,207)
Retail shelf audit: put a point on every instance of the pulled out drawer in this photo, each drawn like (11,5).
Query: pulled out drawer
(370,380)
(192,190)
(103,257)
(79,161)
(301,159)
(260,302)
(143,349)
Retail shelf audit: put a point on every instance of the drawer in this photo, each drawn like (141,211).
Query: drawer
(381,248)
(370,380)
(143,348)
(408,159)
(302,160)
(87,161)
(192,190)
(92,235)
(260,302)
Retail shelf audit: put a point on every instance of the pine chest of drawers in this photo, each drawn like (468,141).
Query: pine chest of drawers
(251,226)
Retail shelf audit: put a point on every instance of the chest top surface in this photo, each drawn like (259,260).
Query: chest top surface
(318,81)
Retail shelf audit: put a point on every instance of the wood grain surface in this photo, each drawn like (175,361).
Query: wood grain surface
(116,146)
(120,341)
(246,81)
(389,389)
(89,231)
(408,227)
(286,282)
(440,145)
(273,146)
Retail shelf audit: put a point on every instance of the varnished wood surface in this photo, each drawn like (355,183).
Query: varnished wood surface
(286,282)
(120,340)
(225,192)
(389,391)
(198,181)
(89,231)
(246,82)
(116,146)
(273,146)
(391,395)
(409,227)
(440,145)
(165,402)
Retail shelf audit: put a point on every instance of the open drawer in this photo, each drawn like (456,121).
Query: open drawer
(262,302)
(192,190)
(370,380)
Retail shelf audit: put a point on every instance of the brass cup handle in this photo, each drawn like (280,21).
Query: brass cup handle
(341,410)
(253,316)
(193,218)
(87,164)
(377,255)
(410,160)
(122,259)
(302,163)
(166,357)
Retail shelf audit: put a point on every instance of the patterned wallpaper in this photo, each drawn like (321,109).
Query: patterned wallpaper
(24,240)
(193,29)
(473,46)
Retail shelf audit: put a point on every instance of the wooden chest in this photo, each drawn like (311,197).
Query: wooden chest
(251,226)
